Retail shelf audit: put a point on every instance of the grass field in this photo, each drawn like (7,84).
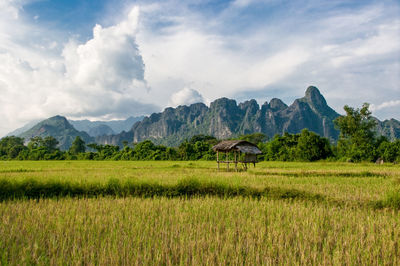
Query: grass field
(80,212)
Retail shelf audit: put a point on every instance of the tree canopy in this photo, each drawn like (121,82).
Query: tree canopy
(357,136)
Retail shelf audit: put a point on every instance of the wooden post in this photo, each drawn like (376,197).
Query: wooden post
(218,159)
(235,162)
(227,160)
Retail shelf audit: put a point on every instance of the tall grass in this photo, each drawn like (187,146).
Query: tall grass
(391,200)
(188,213)
(196,231)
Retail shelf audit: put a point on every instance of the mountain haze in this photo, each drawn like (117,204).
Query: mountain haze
(22,129)
(99,128)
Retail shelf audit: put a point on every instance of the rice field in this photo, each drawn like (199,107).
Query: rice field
(188,213)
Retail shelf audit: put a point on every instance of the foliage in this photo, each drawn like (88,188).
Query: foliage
(11,147)
(312,147)
(356,139)
(198,147)
(389,151)
(255,138)
(78,146)
(42,149)
(306,146)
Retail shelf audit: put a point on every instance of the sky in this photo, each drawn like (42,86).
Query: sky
(103,60)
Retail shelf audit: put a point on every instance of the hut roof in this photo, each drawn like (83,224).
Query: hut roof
(241,145)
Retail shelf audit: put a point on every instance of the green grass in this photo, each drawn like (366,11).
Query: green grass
(189,213)
(189,187)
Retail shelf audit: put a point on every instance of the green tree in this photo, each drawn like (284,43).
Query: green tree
(11,147)
(281,148)
(203,138)
(356,139)
(389,151)
(255,138)
(144,150)
(312,147)
(44,149)
(50,143)
(77,146)
(35,142)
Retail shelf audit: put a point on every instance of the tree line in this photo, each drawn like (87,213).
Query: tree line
(357,142)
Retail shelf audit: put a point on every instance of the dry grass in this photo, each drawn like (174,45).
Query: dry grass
(204,230)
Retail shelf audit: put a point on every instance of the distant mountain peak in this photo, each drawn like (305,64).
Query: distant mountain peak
(277,104)
(58,127)
(314,96)
(312,90)
(59,119)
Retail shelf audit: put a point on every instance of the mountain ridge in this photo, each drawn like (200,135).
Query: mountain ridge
(225,118)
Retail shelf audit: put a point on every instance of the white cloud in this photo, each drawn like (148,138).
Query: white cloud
(186,96)
(384,105)
(107,70)
(241,3)
(384,39)
(103,77)
(351,54)
(189,57)
(10,9)
(110,60)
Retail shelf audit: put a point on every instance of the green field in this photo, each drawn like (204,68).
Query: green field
(100,212)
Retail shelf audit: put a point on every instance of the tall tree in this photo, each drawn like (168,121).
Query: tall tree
(357,136)
(77,146)
(312,147)
(10,147)
(50,143)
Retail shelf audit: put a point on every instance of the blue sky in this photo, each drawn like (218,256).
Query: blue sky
(113,59)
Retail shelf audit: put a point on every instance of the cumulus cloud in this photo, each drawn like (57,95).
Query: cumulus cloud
(111,59)
(186,96)
(101,78)
(107,72)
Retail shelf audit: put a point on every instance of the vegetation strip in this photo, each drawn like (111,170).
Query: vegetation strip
(6,171)
(33,189)
(188,187)
(325,174)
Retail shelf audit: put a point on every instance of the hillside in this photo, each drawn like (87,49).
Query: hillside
(389,128)
(58,127)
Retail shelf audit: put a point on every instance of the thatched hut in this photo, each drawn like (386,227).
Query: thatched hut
(236,151)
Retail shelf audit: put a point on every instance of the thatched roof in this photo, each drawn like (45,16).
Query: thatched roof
(237,145)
